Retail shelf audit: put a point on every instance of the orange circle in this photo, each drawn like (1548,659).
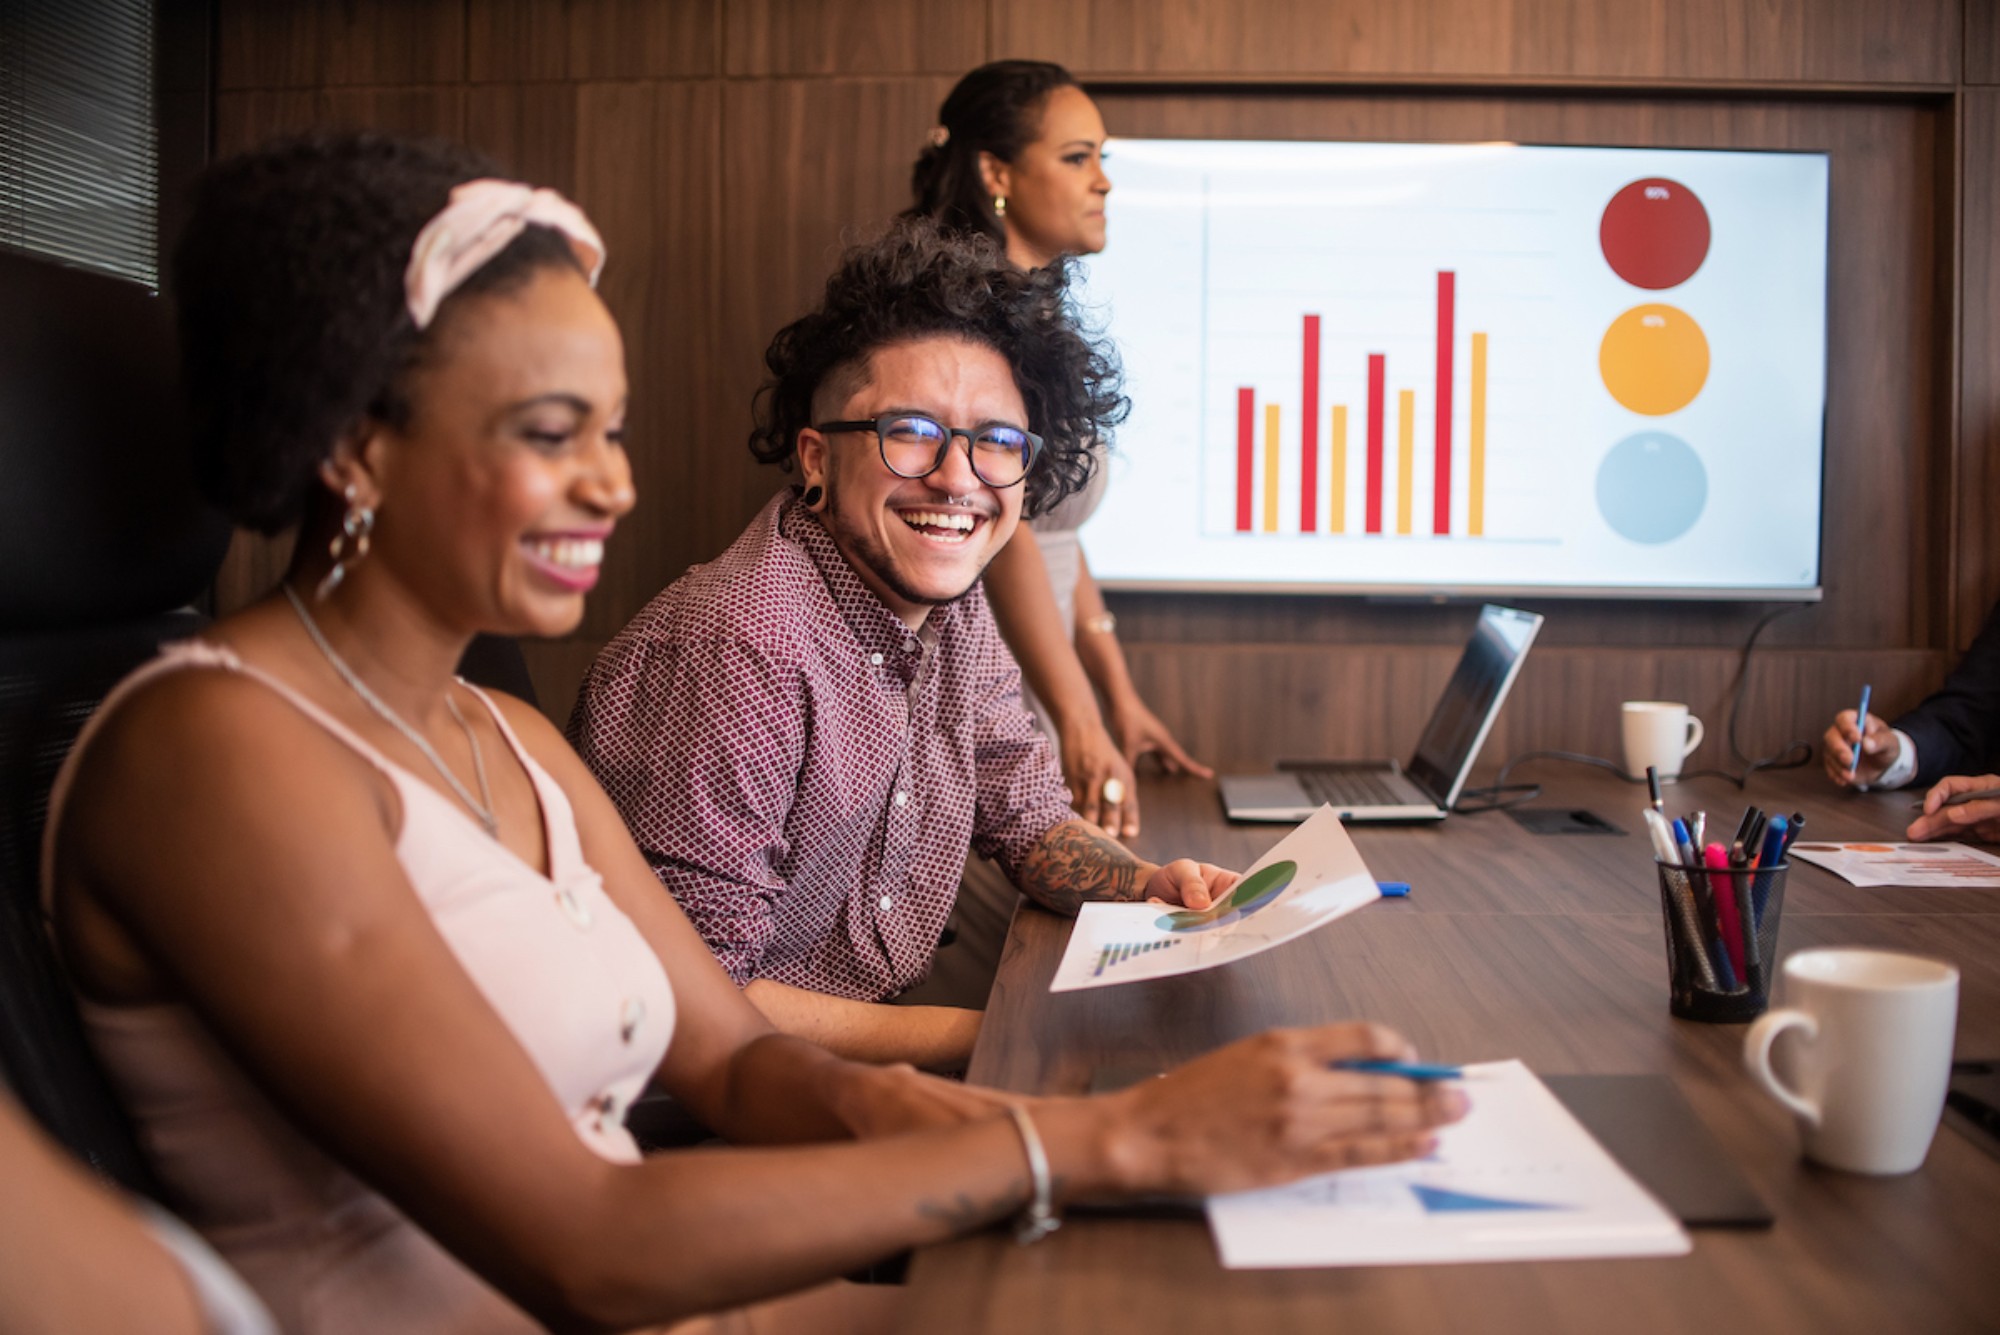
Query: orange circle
(1654,359)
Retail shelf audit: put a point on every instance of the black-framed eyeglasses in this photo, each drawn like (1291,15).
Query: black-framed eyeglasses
(914,445)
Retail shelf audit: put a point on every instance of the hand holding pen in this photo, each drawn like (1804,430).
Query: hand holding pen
(1859,747)
(1963,806)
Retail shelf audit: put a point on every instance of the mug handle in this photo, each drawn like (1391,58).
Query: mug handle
(1695,734)
(1757,1056)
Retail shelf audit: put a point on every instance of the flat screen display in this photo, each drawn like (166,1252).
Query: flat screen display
(1464,368)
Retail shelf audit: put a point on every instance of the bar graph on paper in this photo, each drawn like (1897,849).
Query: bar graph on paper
(1473,366)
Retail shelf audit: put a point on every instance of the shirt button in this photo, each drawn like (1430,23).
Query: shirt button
(909,646)
(876,659)
(883,903)
(630,1016)
(573,908)
(902,799)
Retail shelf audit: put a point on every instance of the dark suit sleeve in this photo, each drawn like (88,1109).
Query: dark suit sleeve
(1957,730)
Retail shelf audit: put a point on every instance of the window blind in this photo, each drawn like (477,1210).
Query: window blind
(79,158)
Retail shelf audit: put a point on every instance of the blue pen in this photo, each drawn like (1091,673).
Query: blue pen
(1408,1070)
(1685,844)
(1393,889)
(1860,731)
(1777,835)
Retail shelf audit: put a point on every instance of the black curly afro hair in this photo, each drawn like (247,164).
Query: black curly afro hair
(920,280)
(288,285)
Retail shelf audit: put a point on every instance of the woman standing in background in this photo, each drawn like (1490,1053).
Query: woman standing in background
(1018,154)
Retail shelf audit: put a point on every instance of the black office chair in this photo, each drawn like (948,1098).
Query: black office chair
(104,547)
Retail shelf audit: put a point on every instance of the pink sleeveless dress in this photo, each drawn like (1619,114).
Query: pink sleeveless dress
(565,968)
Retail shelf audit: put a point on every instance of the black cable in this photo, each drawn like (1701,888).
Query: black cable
(1796,753)
(1496,794)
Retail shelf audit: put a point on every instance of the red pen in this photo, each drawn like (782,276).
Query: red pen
(1723,886)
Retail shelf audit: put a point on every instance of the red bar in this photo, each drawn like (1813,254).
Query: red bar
(1441,473)
(1246,448)
(1309,433)
(1378,372)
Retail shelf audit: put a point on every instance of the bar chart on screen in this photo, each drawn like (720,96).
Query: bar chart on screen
(1472,366)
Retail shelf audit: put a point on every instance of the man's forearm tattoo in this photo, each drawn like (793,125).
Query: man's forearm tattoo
(1074,863)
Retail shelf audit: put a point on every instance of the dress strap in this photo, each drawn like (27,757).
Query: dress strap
(180,656)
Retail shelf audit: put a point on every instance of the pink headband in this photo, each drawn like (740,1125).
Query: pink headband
(481,219)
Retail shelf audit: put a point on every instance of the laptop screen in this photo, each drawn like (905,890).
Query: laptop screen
(1471,699)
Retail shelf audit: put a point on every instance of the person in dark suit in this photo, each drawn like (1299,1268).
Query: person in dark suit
(1950,743)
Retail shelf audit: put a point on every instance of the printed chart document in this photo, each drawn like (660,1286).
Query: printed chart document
(1942,866)
(1313,876)
(1518,1180)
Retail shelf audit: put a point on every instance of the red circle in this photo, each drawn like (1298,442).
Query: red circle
(1654,233)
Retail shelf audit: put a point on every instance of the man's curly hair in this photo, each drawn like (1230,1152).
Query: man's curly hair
(288,286)
(920,281)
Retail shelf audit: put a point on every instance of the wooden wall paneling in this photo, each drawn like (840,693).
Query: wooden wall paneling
(530,127)
(796,190)
(647,172)
(1977,577)
(853,37)
(317,43)
(593,39)
(1849,41)
(557,668)
(1243,706)
(1887,410)
(516,39)
(1982,41)
(245,119)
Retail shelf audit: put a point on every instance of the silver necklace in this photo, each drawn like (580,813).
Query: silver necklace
(481,809)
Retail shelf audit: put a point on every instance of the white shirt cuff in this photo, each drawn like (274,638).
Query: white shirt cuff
(1904,767)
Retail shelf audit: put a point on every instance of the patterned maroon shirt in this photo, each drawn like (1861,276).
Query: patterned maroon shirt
(805,773)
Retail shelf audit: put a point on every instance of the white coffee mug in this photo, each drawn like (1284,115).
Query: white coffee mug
(1660,734)
(1867,1067)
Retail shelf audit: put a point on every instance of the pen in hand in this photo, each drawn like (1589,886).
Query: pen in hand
(1408,1070)
(1960,799)
(1860,731)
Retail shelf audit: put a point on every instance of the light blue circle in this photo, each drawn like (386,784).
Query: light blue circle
(1651,487)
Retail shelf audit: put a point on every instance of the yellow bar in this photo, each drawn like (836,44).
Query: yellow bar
(1406,456)
(1270,468)
(1336,495)
(1475,482)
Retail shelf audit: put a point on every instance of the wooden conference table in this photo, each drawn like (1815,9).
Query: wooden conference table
(1546,948)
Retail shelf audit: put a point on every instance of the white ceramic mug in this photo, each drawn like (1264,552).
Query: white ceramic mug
(1658,733)
(1867,1068)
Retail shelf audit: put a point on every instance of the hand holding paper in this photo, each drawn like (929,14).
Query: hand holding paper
(1191,884)
(1313,876)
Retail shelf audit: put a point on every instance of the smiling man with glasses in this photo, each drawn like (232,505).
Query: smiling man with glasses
(807,734)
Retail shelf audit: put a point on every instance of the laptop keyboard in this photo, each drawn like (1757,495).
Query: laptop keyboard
(1352,788)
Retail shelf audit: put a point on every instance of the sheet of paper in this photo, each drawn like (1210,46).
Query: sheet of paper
(1518,1180)
(1922,865)
(1314,875)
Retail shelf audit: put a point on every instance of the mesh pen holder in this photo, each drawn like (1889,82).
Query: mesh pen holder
(1719,966)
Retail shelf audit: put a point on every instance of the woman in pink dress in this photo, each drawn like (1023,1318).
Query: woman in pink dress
(375,966)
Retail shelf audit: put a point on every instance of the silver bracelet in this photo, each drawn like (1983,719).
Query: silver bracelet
(1038,1219)
(1102,624)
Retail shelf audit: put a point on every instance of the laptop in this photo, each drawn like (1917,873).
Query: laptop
(1425,788)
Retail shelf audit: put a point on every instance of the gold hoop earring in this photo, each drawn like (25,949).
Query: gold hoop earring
(349,546)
